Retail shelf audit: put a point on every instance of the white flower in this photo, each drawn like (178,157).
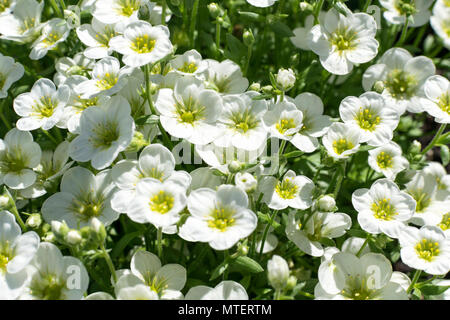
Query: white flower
(225,77)
(315,124)
(437,104)
(117,11)
(440,217)
(403,77)
(132,91)
(10,72)
(371,116)
(190,111)
(106,130)
(423,188)
(24,24)
(388,160)
(16,252)
(220,217)
(398,11)
(67,67)
(158,203)
(347,277)
(225,290)
(18,155)
(300,38)
(277,272)
(189,63)
(341,140)
(440,21)
(142,44)
(383,208)
(43,107)
(53,164)
(321,225)
(284,121)
(425,249)
(83,196)
(107,78)
(156,162)
(342,41)
(354,244)
(285,79)
(262,3)
(439,172)
(241,123)
(50,276)
(151,279)
(246,181)
(54,32)
(96,37)
(292,191)
(326,203)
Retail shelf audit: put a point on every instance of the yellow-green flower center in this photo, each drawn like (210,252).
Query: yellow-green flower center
(82,104)
(405,7)
(423,199)
(27,24)
(344,39)
(221,218)
(190,111)
(106,35)
(49,287)
(5,256)
(400,84)
(128,7)
(285,124)
(88,207)
(244,121)
(143,44)
(188,67)
(427,249)
(384,160)
(108,81)
(51,38)
(4,4)
(162,202)
(286,189)
(366,119)
(357,288)
(45,106)
(445,222)
(443,103)
(104,134)
(341,145)
(13,161)
(383,210)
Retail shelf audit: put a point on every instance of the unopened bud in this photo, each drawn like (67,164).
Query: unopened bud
(415,147)
(49,237)
(243,249)
(278,272)
(34,221)
(245,181)
(137,143)
(285,79)
(98,229)
(214,10)
(234,166)
(4,202)
(255,86)
(267,89)
(305,6)
(291,283)
(248,37)
(378,87)
(326,203)
(74,237)
(60,229)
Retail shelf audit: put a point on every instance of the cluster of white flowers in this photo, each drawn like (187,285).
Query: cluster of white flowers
(105,154)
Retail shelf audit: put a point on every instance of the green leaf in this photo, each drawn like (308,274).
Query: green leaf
(293,154)
(327,242)
(429,289)
(236,50)
(357,233)
(149,119)
(444,139)
(265,218)
(247,264)
(445,155)
(281,29)
(250,15)
(219,270)
(123,242)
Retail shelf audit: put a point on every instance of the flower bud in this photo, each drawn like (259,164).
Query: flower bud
(215,10)
(4,201)
(291,283)
(74,237)
(98,229)
(72,16)
(285,79)
(49,237)
(34,221)
(245,181)
(415,147)
(378,87)
(267,89)
(137,143)
(255,86)
(326,203)
(234,166)
(305,6)
(243,249)
(248,37)
(278,272)
(60,229)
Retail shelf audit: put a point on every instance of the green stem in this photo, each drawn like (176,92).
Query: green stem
(266,231)
(249,56)
(435,139)
(414,280)
(282,146)
(277,294)
(340,178)
(419,37)
(193,22)
(56,8)
(362,247)
(159,241)
(18,218)
(50,136)
(63,5)
(218,28)
(317,9)
(109,262)
(366,5)
(3,117)
(226,256)
(163,13)
(404,32)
